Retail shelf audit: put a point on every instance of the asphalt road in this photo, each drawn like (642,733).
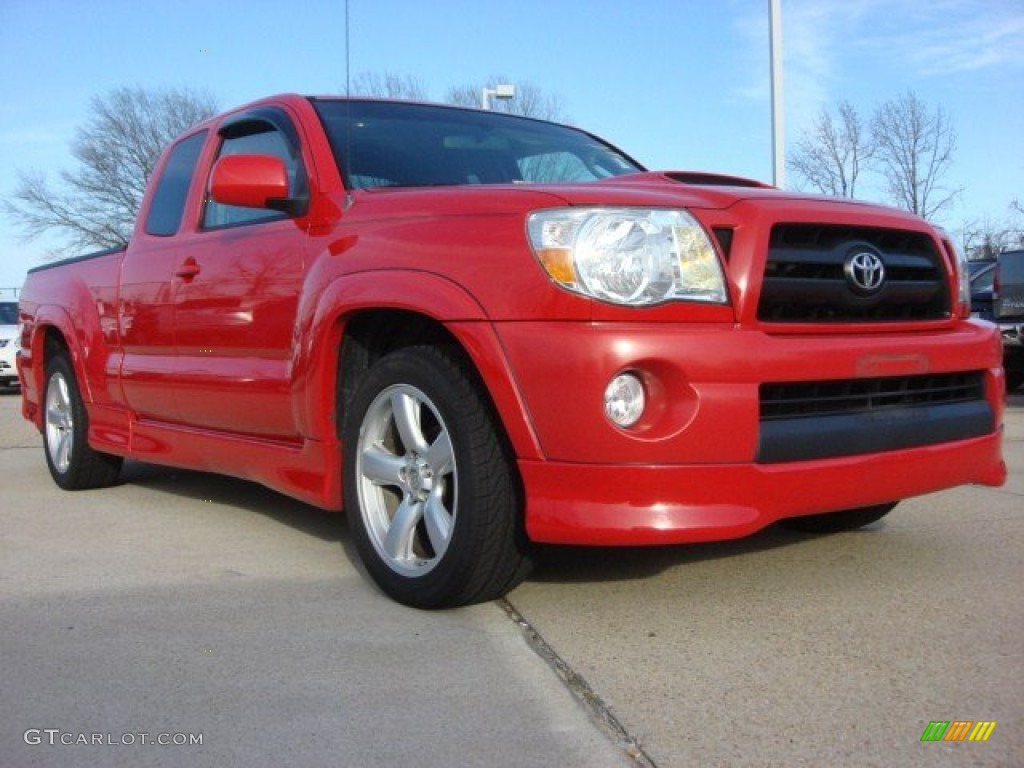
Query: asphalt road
(181,604)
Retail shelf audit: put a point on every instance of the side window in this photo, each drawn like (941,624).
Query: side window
(263,139)
(168,204)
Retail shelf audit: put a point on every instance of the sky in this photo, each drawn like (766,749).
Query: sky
(677,84)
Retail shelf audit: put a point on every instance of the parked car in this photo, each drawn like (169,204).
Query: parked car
(9,346)
(475,332)
(1008,311)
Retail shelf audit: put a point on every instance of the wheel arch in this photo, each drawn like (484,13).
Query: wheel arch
(370,334)
(53,334)
(362,316)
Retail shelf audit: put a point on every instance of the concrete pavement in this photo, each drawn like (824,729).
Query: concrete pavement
(792,650)
(181,603)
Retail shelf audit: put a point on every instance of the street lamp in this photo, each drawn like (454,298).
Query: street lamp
(502,91)
(775,48)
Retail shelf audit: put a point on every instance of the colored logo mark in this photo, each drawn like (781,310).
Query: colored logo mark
(958,730)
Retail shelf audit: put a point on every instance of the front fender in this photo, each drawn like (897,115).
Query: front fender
(420,292)
(426,293)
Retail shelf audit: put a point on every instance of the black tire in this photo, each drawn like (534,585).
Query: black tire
(1013,380)
(72,462)
(432,494)
(835,522)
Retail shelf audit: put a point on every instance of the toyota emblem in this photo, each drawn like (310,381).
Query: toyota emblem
(865,272)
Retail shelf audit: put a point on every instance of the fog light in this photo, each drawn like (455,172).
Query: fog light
(624,400)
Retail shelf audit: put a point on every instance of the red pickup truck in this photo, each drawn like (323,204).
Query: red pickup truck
(474,332)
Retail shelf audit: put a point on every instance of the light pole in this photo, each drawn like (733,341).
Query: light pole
(501,91)
(778,146)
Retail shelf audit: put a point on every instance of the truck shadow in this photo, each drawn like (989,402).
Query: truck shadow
(240,494)
(567,564)
(553,563)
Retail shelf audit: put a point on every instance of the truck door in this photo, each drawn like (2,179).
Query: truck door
(235,312)
(147,285)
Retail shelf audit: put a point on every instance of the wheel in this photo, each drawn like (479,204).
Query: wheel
(1013,380)
(834,522)
(431,491)
(73,464)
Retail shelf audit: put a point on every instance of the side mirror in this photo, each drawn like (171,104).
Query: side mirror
(254,181)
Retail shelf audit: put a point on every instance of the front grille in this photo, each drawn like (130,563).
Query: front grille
(825,419)
(816,398)
(805,280)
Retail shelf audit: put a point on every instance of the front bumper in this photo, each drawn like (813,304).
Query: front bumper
(690,469)
(646,505)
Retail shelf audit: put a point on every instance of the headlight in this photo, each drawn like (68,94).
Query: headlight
(632,256)
(963,274)
(964,284)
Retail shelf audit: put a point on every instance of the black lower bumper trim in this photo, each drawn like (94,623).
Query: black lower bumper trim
(885,429)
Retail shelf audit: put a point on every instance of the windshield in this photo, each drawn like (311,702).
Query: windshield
(396,144)
(8,313)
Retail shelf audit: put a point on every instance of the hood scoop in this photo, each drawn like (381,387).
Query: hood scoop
(714,180)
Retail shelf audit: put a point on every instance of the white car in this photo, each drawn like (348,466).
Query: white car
(8,343)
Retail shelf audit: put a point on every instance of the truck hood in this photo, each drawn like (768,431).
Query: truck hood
(689,189)
(666,189)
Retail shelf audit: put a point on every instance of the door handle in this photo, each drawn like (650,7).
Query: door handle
(187,269)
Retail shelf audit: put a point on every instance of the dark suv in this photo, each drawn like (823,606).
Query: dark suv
(1008,310)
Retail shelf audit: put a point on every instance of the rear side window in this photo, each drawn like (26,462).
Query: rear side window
(168,204)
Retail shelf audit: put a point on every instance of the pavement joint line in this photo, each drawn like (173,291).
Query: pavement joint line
(595,706)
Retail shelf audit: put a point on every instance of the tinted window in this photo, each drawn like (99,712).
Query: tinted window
(1010,301)
(983,280)
(169,198)
(1011,268)
(265,141)
(379,144)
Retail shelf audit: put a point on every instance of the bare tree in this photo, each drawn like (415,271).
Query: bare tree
(914,151)
(986,238)
(117,149)
(529,101)
(831,154)
(389,86)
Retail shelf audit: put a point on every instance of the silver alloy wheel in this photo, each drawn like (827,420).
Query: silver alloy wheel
(60,423)
(407,480)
